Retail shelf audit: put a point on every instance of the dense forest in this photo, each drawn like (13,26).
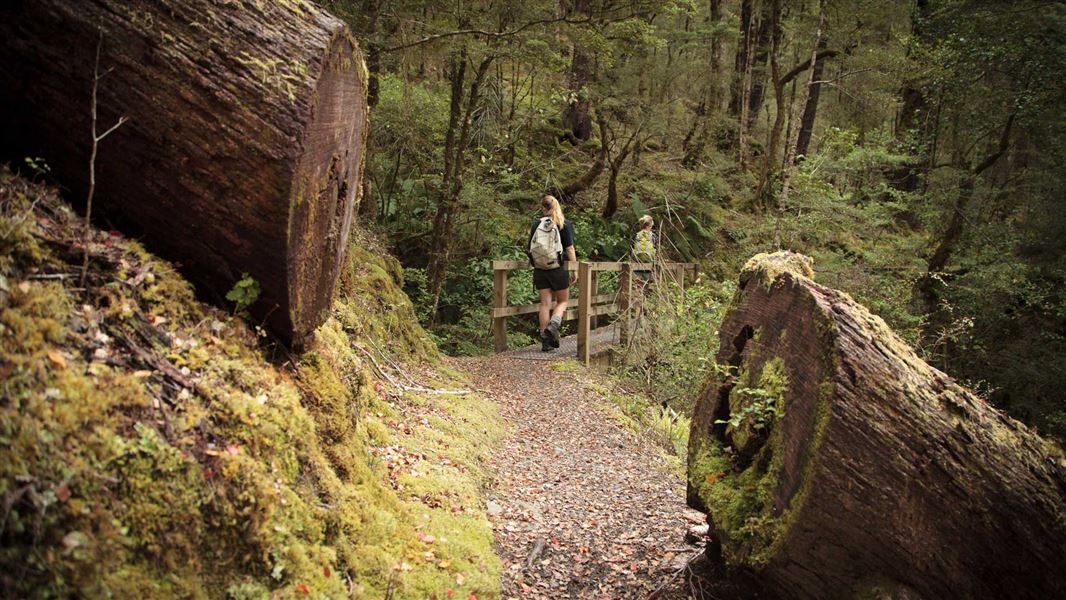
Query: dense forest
(913,148)
(267,328)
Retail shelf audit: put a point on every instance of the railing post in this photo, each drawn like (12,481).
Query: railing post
(625,291)
(584,299)
(499,300)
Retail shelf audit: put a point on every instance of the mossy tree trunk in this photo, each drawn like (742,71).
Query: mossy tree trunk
(243,151)
(833,462)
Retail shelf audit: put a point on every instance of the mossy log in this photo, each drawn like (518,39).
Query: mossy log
(244,146)
(834,463)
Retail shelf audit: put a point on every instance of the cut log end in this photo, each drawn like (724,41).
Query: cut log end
(830,459)
(325,191)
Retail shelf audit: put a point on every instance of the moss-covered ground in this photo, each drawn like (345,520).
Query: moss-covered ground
(149,448)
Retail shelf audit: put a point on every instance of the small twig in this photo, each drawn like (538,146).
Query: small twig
(535,552)
(406,388)
(51,276)
(96,139)
(15,222)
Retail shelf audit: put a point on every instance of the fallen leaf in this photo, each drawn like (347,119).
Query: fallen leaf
(326,571)
(24,287)
(425,537)
(63,493)
(57,358)
(444,564)
(303,589)
(460,578)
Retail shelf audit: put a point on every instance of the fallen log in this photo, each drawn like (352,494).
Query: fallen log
(832,462)
(243,150)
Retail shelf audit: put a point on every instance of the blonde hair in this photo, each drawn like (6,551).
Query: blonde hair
(646,221)
(549,203)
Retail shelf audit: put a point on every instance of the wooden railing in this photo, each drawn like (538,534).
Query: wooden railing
(589,302)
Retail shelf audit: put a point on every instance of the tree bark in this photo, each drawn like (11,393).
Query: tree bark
(368,206)
(765,190)
(460,124)
(610,207)
(244,147)
(927,287)
(874,473)
(567,192)
(911,128)
(577,117)
(711,103)
(791,150)
(810,107)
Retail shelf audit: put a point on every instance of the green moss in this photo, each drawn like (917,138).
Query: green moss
(740,501)
(567,366)
(257,481)
(767,267)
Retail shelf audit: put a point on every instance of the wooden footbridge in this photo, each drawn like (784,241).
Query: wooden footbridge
(585,308)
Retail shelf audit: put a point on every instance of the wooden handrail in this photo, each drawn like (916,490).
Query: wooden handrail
(514,265)
(589,302)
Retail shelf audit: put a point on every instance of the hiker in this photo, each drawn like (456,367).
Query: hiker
(551,243)
(645,249)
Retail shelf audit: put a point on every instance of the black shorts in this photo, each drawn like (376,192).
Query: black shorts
(554,279)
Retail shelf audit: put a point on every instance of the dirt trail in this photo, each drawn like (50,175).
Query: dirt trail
(583,508)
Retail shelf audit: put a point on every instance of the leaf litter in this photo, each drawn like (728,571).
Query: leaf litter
(583,508)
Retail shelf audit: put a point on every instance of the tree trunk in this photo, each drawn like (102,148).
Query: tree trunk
(769,37)
(452,183)
(244,147)
(577,117)
(368,206)
(911,128)
(765,190)
(745,90)
(810,107)
(794,143)
(740,59)
(611,206)
(927,287)
(873,474)
(567,192)
(711,103)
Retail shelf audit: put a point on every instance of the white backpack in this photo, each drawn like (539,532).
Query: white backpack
(546,247)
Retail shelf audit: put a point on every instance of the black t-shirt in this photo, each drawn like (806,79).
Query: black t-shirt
(566,234)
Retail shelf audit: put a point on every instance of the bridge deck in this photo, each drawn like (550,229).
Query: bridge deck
(601,339)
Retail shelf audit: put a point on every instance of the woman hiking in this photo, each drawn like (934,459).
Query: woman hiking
(551,243)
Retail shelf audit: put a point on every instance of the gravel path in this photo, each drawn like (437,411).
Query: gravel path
(583,508)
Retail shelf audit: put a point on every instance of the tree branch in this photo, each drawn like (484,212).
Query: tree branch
(502,34)
(803,66)
(491,34)
(1004,143)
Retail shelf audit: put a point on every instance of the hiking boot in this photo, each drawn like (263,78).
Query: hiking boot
(553,334)
(545,342)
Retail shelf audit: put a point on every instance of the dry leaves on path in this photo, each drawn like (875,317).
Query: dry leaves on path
(583,508)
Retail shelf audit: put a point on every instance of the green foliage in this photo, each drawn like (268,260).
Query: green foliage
(673,348)
(38,165)
(757,409)
(244,293)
